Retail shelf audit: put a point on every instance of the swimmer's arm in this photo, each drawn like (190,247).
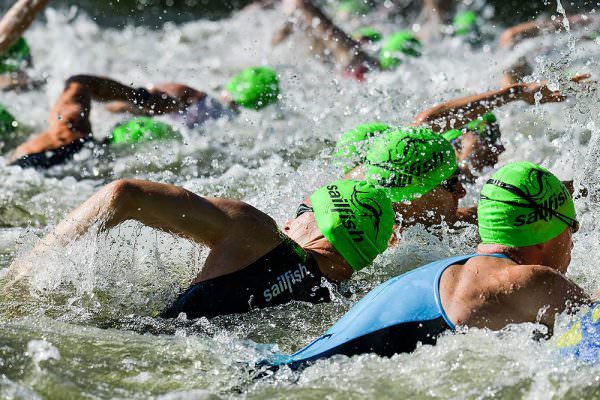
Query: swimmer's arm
(346,51)
(542,292)
(16,21)
(458,112)
(161,206)
(105,90)
(518,33)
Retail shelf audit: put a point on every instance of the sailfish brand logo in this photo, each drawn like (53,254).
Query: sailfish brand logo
(546,205)
(407,161)
(416,169)
(286,281)
(347,211)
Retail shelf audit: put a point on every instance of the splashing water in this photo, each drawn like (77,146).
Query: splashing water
(87,326)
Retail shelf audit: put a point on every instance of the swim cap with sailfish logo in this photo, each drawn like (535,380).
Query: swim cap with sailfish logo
(403,42)
(524,204)
(356,218)
(351,149)
(409,162)
(254,88)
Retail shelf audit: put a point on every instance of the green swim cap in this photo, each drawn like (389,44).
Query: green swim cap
(367,33)
(254,88)
(354,6)
(465,22)
(409,163)
(452,134)
(400,42)
(485,126)
(351,149)
(16,57)
(356,218)
(142,129)
(478,125)
(523,204)
(8,124)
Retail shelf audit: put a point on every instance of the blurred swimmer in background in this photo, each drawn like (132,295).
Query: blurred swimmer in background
(70,127)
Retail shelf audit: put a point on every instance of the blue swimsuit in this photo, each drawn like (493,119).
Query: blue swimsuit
(390,319)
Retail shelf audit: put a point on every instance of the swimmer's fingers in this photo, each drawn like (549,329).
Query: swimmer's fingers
(538,93)
(581,78)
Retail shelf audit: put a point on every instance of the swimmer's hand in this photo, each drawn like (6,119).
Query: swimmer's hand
(539,93)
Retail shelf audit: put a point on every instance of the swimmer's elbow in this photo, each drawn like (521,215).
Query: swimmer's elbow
(122,195)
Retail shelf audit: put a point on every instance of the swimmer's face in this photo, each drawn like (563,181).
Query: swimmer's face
(480,152)
(557,252)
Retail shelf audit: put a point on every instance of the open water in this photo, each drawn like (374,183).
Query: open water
(86,329)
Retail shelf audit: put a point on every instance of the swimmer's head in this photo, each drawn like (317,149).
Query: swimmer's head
(356,218)
(254,88)
(16,58)
(524,204)
(464,23)
(400,43)
(484,148)
(142,129)
(409,163)
(8,124)
(351,149)
(347,7)
(367,34)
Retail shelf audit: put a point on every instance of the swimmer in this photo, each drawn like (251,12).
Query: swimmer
(15,56)
(327,38)
(238,234)
(252,263)
(526,222)
(468,123)
(477,142)
(70,126)
(416,167)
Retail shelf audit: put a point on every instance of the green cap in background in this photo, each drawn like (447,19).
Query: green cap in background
(367,33)
(356,218)
(465,22)
(142,129)
(16,57)
(354,6)
(523,204)
(485,126)
(8,124)
(404,42)
(408,163)
(254,88)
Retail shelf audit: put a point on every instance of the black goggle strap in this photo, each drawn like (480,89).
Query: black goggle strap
(571,222)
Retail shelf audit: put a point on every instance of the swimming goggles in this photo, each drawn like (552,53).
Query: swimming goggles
(572,223)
